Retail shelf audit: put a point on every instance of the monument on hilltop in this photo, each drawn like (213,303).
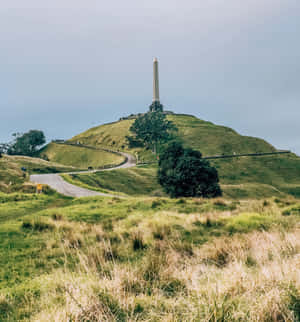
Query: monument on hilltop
(156,105)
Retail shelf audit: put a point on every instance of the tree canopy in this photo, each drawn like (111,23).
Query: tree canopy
(156,107)
(152,129)
(184,173)
(27,143)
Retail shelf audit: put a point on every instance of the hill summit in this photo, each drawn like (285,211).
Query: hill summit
(279,173)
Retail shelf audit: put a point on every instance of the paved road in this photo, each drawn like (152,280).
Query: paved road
(56,182)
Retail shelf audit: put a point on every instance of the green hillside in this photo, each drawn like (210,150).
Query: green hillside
(211,139)
(79,157)
(147,257)
(137,181)
(281,172)
(142,180)
(12,178)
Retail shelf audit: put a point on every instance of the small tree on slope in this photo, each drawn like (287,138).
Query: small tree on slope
(183,173)
(152,129)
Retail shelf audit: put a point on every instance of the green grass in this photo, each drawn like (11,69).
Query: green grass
(79,157)
(280,172)
(44,236)
(12,178)
(21,250)
(148,258)
(141,180)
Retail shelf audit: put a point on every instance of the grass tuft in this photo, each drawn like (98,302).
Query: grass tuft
(37,225)
(138,242)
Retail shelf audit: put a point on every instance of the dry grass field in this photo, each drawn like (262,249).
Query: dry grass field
(149,259)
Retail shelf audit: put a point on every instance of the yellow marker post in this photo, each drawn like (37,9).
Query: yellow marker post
(39,188)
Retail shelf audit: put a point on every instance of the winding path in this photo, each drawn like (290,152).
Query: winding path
(56,182)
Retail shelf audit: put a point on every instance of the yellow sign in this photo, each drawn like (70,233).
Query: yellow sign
(39,187)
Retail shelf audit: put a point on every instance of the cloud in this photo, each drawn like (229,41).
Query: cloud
(65,64)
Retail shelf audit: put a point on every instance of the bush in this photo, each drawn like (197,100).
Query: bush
(183,173)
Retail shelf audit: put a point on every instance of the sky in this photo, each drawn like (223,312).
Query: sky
(68,65)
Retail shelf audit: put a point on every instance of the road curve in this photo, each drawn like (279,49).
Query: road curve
(56,182)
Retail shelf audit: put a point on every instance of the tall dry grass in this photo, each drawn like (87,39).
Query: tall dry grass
(249,277)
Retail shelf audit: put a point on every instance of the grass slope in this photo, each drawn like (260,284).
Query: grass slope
(148,259)
(12,178)
(79,156)
(272,172)
(140,180)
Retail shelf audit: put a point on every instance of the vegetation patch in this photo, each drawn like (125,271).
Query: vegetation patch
(293,210)
(259,176)
(79,157)
(37,225)
(146,258)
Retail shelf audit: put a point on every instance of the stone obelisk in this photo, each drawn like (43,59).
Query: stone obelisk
(155,81)
(155,106)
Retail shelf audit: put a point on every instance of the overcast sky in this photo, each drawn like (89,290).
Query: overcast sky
(68,65)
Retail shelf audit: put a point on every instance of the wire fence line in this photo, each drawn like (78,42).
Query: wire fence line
(246,155)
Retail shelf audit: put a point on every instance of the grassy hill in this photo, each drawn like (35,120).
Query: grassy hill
(80,157)
(12,178)
(273,173)
(148,259)
(211,139)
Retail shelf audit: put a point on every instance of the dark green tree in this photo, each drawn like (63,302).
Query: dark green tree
(27,143)
(156,107)
(184,173)
(151,130)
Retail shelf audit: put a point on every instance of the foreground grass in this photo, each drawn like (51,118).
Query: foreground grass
(148,259)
